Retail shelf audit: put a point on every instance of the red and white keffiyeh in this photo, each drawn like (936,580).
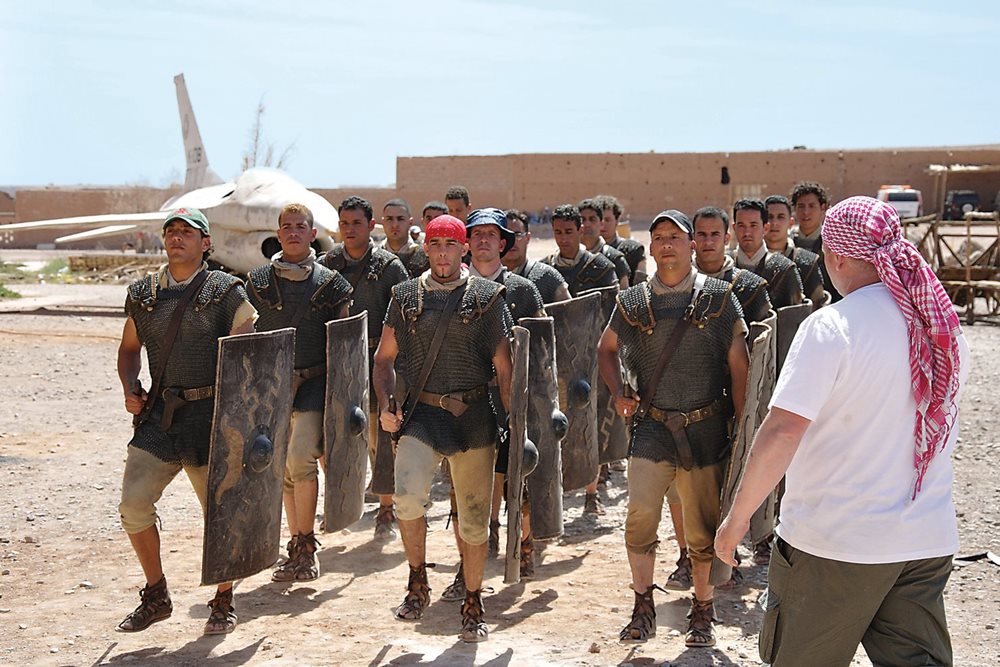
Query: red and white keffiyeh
(867,229)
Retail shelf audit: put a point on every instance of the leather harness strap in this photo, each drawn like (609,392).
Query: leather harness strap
(173,327)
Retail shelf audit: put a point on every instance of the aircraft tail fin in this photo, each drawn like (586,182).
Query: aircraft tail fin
(198,172)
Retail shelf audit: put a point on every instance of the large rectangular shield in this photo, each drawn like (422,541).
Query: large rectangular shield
(345,421)
(760,385)
(518,423)
(578,328)
(612,432)
(246,461)
(789,319)
(546,428)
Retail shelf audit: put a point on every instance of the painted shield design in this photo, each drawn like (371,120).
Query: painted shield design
(345,421)
(578,325)
(246,467)
(546,427)
(612,432)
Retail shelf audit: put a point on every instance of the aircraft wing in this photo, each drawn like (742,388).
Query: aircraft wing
(110,230)
(131,219)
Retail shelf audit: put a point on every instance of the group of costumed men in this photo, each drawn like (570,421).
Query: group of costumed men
(672,355)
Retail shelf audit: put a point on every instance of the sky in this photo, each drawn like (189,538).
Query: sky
(88,96)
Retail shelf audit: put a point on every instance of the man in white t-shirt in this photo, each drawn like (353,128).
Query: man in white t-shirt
(864,418)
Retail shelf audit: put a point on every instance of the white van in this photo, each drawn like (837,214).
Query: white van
(909,203)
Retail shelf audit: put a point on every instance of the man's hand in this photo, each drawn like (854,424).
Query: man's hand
(390,421)
(135,398)
(728,537)
(626,406)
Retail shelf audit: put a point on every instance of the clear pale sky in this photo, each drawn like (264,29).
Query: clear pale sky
(88,96)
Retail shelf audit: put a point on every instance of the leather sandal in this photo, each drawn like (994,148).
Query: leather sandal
(456,589)
(222,619)
(493,548)
(154,605)
(643,623)
(307,565)
(418,595)
(527,557)
(286,568)
(680,578)
(384,519)
(473,622)
(701,632)
(592,505)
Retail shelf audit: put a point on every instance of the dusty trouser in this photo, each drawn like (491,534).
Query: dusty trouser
(471,475)
(698,489)
(143,482)
(818,610)
(305,447)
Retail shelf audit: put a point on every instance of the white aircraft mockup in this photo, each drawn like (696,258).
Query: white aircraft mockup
(243,215)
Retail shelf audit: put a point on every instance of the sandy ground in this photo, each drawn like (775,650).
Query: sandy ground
(68,575)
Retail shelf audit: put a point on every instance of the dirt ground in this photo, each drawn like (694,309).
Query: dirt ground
(68,575)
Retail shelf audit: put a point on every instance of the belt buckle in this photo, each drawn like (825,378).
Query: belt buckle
(687,419)
(441,401)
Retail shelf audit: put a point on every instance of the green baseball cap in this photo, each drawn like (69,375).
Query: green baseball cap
(191,216)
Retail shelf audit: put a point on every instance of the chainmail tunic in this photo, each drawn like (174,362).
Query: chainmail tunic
(784,287)
(480,322)
(546,278)
(816,246)
(593,270)
(617,257)
(277,299)
(522,297)
(413,258)
(373,277)
(751,291)
(192,362)
(807,263)
(697,373)
(634,253)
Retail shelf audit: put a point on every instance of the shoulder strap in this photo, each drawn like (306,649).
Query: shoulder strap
(432,352)
(168,343)
(669,349)
(307,296)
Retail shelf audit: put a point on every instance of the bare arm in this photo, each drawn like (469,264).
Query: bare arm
(562,292)
(384,379)
(245,328)
(611,372)
(129,365)
(504,365)
(773,447)
(739,365)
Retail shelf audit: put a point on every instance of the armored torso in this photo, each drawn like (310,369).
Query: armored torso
(545,277)
(697,374)
(622,269)
(634,254)
(278,302)
(413,257)
(593,270)
(465,362)
(751,291)
(809,269)
(784,287)
(522,297)
(192,361)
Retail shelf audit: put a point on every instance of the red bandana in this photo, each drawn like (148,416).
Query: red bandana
(446,226)
(867,229)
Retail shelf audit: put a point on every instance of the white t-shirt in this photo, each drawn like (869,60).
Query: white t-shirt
(848,489)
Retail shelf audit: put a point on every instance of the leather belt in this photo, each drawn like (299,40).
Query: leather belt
(310,372)
(175,397)
(676,422)
(456,402)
